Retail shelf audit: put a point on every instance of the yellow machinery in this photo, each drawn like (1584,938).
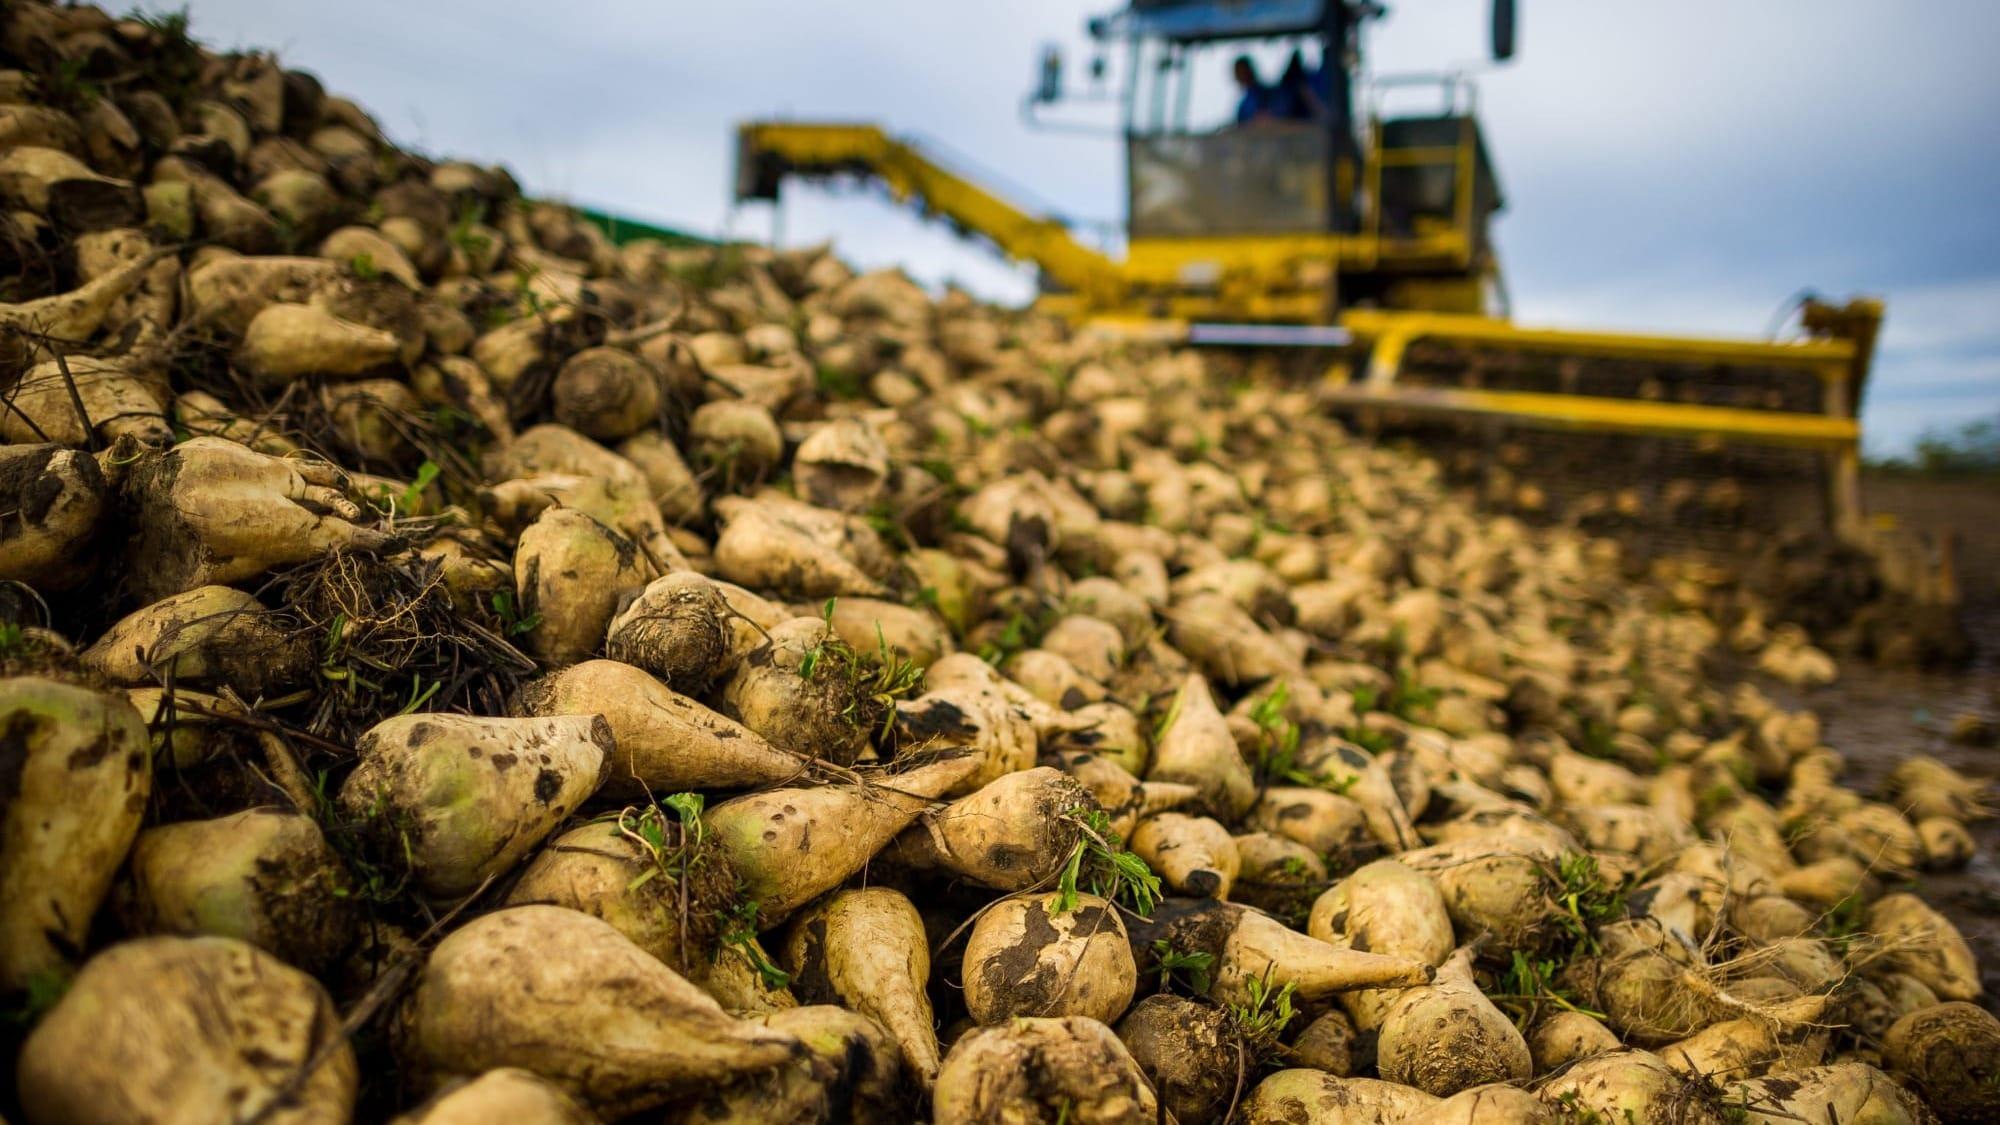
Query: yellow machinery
(1317,225)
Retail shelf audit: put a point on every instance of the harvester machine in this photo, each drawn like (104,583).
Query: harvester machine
(1320,218)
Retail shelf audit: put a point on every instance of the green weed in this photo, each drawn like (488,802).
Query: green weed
(1278,748)
(1023,630)
(872,683)
(740,931)
(1262,1021)
(426,473)
(45,987)
(512,624)
(1100,863)
(1196,967)
(1585,898)
(1528,987)
(839,382)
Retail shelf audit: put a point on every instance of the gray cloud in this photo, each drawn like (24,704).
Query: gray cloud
(1679,166)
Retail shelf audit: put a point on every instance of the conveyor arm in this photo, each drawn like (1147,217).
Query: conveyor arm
(768,152)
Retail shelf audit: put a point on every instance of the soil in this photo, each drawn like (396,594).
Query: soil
(1964,507)
(1877,716)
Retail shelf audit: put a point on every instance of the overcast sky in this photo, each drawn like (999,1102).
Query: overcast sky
(1681,166)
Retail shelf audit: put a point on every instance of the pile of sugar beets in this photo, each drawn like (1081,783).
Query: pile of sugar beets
(460,670)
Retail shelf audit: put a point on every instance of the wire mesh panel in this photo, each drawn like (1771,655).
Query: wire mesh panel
(1260,179)
(1658,494)
(1447,364)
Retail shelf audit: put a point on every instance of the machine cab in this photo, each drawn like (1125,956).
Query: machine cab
(1320,197)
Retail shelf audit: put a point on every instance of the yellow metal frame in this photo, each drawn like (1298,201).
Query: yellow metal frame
(1616,415)
(1159,261)
(1840,363)
(1266,277)
(909,174)
(1392,332)
(1166,283)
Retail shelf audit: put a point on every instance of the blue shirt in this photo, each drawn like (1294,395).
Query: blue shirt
(1255,102)
(1288,102)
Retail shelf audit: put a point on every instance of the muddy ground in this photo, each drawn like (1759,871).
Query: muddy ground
(1878,716)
